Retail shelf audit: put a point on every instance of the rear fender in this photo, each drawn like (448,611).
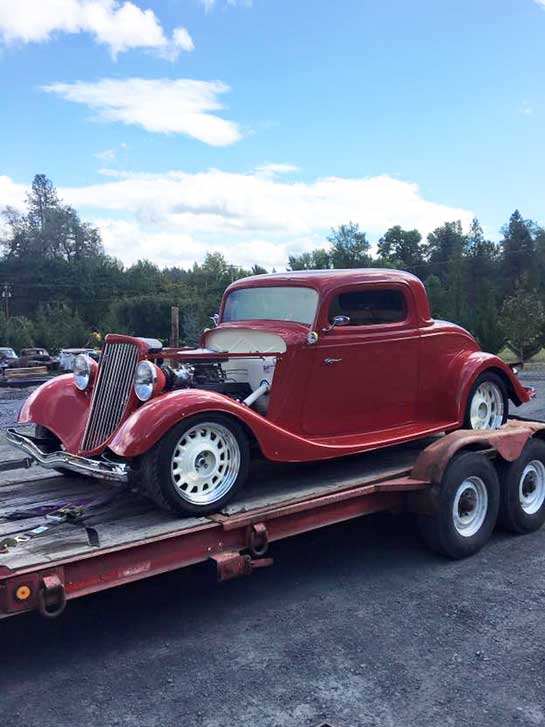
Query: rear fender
(151,422)
(467,368)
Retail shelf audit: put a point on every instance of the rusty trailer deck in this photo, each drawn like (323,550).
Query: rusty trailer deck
(128,538)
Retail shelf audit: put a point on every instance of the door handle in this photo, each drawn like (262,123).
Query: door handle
(330,361)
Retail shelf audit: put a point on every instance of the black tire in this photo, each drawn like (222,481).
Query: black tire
(487,377)
(439,529)
(156,478)
(514,515)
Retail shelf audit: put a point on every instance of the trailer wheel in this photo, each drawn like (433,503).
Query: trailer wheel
(487,404)
(198,466)
(467,507)
(522,500)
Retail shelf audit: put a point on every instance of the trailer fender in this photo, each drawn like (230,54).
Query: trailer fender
(465,369)
(152,421)
(508,441)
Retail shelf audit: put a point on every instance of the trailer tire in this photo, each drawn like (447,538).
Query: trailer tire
(522,498)
(467,507)
(174,487)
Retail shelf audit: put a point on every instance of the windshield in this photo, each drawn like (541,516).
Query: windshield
(278,303)
(8,353)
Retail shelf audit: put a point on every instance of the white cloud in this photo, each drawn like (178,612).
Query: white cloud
(270,169)
(251,218)
(209,5)
(118,25)
(107,155)
(174,218)
(181,106)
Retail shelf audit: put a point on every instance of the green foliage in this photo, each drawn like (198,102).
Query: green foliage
(401,248)
(56,326)
(316,260)
(437,296)
(349,247)
(523,321)
(19,333)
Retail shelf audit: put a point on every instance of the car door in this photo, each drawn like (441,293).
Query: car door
(364,376)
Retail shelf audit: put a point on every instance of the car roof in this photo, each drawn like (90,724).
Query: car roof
(327,281)
(322,279)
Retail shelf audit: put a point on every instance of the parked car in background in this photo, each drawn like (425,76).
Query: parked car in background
(31,357)
(7,358)
(67,356)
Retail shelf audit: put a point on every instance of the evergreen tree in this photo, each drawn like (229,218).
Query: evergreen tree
(519,256)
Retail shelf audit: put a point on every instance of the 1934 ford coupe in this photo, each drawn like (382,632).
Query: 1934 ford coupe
(301,366)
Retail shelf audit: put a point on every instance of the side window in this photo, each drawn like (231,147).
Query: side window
(369,307)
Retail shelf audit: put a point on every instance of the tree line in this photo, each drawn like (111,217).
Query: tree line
(58,283)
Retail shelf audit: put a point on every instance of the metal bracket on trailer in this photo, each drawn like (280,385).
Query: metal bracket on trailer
(51,596)
(231,564)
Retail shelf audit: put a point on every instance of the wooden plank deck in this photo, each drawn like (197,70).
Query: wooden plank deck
(131,518)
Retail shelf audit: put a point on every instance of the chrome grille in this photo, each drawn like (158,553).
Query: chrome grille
(110,394)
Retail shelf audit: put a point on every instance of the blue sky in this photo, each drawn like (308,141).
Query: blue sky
(181,126)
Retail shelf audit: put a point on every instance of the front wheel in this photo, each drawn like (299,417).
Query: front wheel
(487,404)
(198,466)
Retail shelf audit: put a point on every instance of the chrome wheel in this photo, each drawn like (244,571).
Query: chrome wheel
(205,463)
(487,407)
(470,506)
(532,487)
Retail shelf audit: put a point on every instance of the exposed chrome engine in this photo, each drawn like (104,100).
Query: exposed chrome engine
(244,380)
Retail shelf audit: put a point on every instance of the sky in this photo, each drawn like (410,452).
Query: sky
(252,127)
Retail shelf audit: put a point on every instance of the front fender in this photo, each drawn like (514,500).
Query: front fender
(467,368)
(150,422)
(58,406)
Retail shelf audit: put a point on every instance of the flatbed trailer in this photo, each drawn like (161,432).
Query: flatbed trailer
(46,560)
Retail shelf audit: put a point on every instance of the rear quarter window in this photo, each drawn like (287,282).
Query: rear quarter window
(370,307)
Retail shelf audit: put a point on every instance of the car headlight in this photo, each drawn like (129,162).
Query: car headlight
(82,371)
(144,380)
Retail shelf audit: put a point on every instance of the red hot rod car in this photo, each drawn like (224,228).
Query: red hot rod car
(301,366)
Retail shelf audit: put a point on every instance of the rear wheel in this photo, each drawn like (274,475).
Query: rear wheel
(487,404)
(198,466)
(522,504)
(467,507)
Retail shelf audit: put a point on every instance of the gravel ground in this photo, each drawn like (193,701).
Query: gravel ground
(11,401)
(356,624)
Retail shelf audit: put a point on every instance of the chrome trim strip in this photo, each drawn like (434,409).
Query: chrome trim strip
(116,471)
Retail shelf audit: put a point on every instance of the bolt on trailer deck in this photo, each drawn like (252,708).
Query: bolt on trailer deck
(62,537)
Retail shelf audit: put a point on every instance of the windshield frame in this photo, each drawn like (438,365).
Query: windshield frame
(278,320)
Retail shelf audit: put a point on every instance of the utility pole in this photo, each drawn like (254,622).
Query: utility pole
(6,295)
(174,326)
